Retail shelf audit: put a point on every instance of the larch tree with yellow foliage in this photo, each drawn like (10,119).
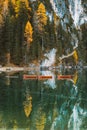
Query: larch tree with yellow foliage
(1,20)
(41,19)
(5,7)
(21,7)
(28,34)
(75,56)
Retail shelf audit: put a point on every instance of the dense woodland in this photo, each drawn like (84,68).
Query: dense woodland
(28,29)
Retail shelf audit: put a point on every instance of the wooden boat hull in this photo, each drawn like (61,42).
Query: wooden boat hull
(25,77)
(40,77)
(65,77)
(43,77)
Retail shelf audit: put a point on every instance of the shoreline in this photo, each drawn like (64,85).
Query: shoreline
(14,69)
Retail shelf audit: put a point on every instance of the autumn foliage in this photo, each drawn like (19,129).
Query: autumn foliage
(28,33)
(75,56)
(41,17)
(23,22)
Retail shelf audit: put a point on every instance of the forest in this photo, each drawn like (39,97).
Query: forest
(30,28)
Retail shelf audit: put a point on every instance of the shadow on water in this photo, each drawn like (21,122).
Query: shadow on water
(36,105)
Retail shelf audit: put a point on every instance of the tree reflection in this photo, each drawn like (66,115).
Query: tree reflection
(28,106)
(27,103)
(23,106)
(39,119)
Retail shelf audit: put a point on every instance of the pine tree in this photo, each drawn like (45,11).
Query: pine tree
(1,39)
(21,12)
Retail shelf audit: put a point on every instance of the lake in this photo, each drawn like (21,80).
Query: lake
(53,104)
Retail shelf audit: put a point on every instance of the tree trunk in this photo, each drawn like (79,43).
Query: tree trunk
(42,44)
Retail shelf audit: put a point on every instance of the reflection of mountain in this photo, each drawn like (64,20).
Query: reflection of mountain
(77,117)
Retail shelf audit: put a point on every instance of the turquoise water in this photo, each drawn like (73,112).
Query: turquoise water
(38,105)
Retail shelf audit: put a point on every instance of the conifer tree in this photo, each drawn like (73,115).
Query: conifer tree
(5,7)
(28,34)
(22,15)
(40,19)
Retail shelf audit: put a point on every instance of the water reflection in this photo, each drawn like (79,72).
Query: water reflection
(35,105)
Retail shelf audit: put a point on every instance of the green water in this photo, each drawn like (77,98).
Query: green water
(36,105)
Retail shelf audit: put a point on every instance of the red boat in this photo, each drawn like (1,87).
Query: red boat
(29,76)
(40,77)
(65,76)
(43,77)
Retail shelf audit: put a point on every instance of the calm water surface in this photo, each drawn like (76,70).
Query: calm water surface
(43,104)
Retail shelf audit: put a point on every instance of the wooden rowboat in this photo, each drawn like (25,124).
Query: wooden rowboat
(65,77)
(25,76)
(43,77)
(39,77)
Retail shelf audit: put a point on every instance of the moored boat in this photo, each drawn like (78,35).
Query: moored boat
(39,77)
(25,76)
(43,77)
(65,76)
